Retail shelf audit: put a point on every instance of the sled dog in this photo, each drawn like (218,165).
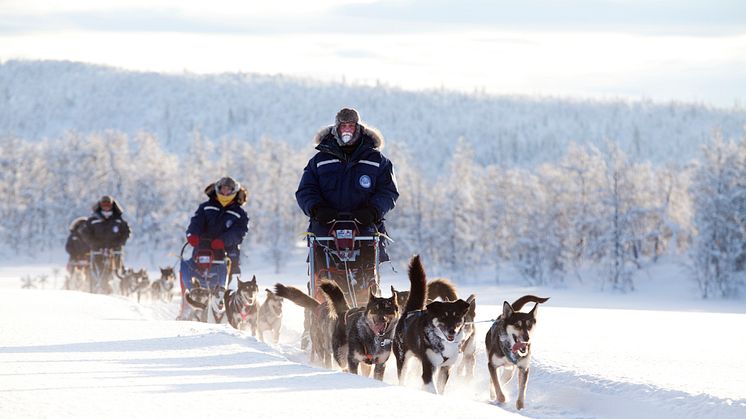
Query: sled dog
(432,334)
(362,335)
(320,324)
(131,281)
(217,304)
(445,290)
(197,298)
(160,289)
(241,306)
(270,316)
(401,297)
(508,345)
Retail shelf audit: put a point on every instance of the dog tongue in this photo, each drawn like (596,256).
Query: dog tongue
(519,346)
(379,327)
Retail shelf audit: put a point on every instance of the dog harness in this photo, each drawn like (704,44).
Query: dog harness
(502,335)
(246,309)
(410,318)
(379,345)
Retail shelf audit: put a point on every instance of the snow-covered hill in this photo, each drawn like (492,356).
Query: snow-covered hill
(48,98)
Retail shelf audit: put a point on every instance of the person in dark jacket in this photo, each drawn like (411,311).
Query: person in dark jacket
(348,177)
(105,228)
(106,232)
(220,223)
(77,249)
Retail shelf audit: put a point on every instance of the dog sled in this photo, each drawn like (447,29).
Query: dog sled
(104,264)
(346,258)
(201,276)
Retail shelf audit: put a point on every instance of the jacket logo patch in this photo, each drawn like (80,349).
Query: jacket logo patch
(115,229)
(228,223)
(365,181)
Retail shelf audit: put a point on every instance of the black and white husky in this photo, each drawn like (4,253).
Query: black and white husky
(432,334)
(508,345)
(197,298)
(160,289)
(241,306)
(362,336)
(217,305)
(270,316)
(445,290)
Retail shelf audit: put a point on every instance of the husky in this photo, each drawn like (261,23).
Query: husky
(270,316)
(160,289)
(197,298)
(320,323)
(508,345)
(131,281)
(241,306)
(363,334)
(432,334)
(445,290)
(217,304)
(401,297)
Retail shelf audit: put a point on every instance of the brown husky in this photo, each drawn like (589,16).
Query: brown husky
(362,335)
(509,346)
(320,324)
(270,316)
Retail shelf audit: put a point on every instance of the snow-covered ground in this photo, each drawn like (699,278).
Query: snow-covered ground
(657,353)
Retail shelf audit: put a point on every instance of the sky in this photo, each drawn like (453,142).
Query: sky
(658,352)
(660,50)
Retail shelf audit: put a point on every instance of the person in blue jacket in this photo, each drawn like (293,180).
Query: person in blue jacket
(348,175)
(219,224)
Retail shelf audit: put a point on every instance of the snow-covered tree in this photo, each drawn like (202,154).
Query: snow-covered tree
(719,196)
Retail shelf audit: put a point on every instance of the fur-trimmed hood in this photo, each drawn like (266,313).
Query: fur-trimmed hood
(373,135)
(115,208)
(77,223)
(241,196)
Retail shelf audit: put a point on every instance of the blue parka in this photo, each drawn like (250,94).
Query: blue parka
(346,184)
(229,223)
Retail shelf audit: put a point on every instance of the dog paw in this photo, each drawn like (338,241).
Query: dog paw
(519,404)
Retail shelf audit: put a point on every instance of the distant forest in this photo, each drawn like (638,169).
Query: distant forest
(546,185)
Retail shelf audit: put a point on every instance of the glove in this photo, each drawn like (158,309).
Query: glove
(217,244)
(366,215)
(193,240)
(323,213)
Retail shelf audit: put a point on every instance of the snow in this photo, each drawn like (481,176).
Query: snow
(652,353)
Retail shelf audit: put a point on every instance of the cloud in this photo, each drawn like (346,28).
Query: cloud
(702,17)
(663,17)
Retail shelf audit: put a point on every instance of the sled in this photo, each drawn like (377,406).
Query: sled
(207,267)
(104,264)
(347,258)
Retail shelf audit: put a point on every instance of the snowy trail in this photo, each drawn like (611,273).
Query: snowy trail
(106,356)
(71,354)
